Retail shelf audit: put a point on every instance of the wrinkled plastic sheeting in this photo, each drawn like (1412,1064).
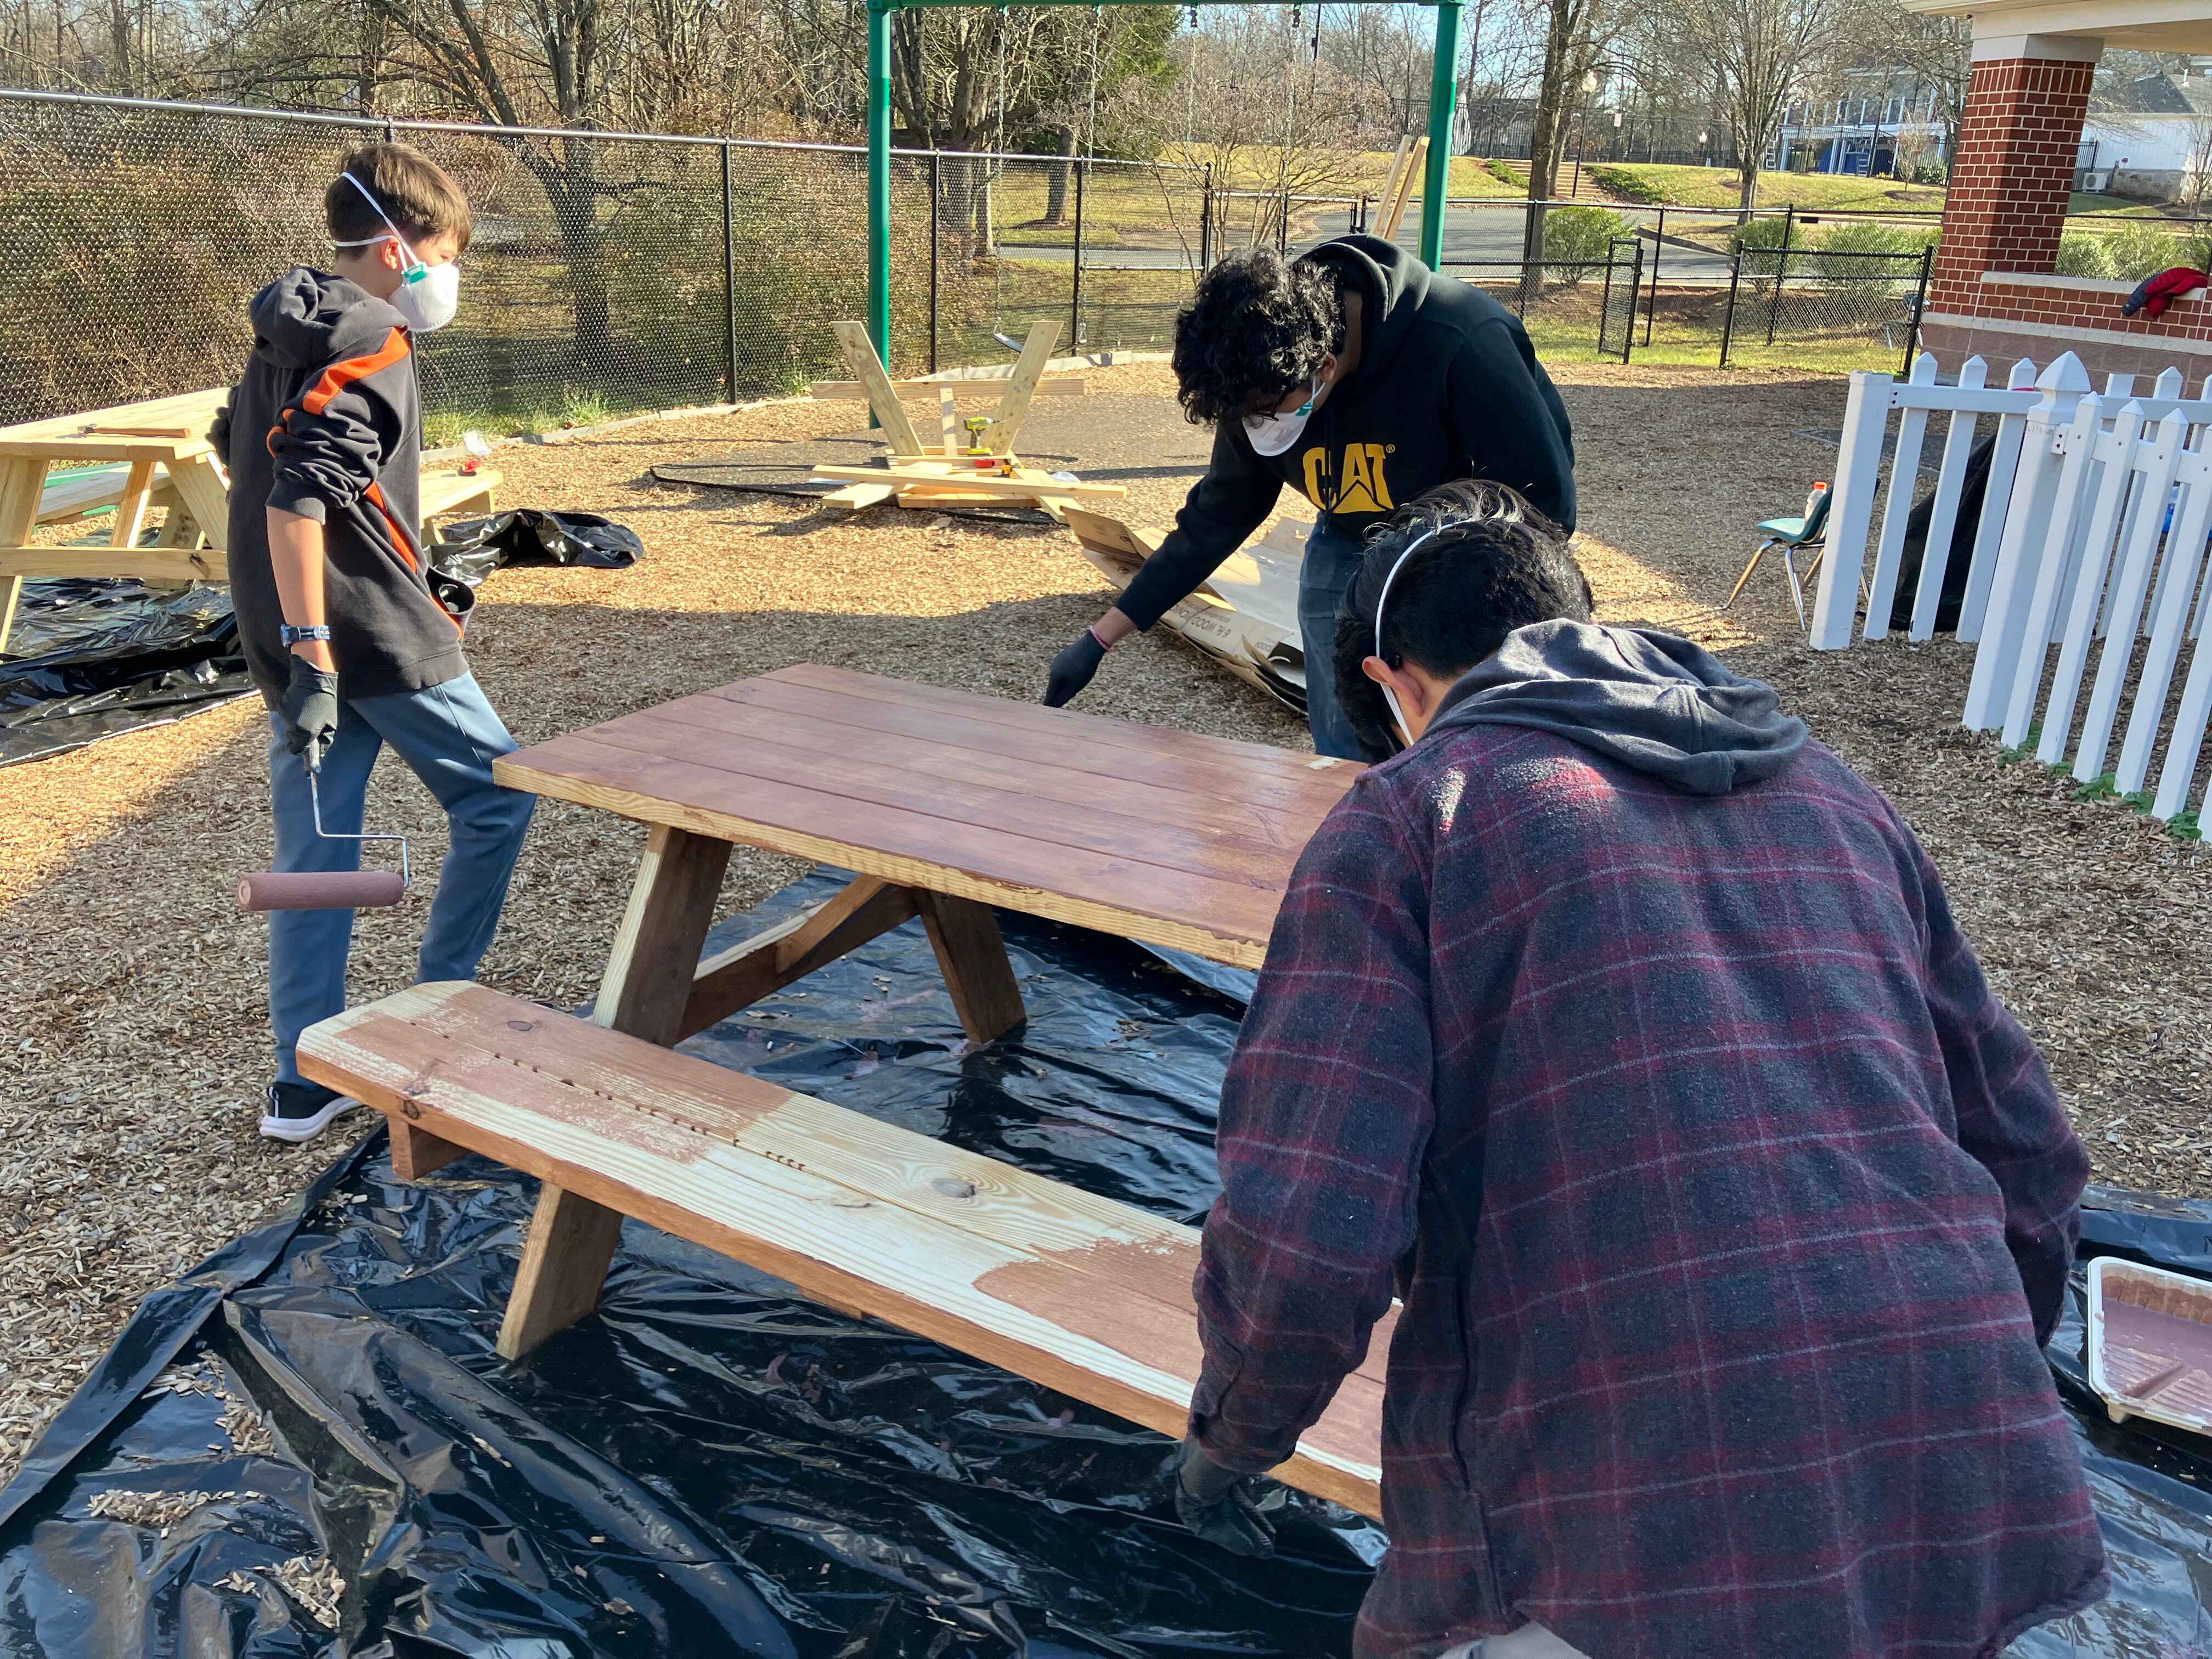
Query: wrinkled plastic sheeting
(469,550)
(712,1465)
(90,659)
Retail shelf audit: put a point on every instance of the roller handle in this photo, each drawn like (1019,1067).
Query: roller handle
(320,889)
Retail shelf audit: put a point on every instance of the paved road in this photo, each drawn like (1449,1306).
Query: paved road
(1470,234)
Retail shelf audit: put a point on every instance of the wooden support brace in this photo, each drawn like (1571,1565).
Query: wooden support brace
(861,353)
(416,1153)
(973,956)
(646,990)
(23,483)
(200,485)
(1029,368)
(152,564)
(565,1262)
(759,966)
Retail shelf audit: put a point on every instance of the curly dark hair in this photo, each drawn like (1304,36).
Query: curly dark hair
(1256,329)
(1494,563)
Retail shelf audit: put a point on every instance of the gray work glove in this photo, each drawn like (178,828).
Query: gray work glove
(310,708)
(1219,1506)
(1073,668)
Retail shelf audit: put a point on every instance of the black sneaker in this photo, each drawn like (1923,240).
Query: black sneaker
(301,1111)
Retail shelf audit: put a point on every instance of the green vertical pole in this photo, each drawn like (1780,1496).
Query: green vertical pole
(879,179)
(1444,90)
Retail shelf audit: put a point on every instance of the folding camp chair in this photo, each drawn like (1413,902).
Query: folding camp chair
(1791,537)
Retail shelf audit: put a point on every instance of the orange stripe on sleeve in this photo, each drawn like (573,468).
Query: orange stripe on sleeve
(404,542)
(338,376)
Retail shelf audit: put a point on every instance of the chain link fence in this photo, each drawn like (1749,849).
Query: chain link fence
(1567,306)
(1824,301)
(613,272)
(609,272)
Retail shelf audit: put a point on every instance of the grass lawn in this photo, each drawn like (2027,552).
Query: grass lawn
(1686,186)
(1363,170)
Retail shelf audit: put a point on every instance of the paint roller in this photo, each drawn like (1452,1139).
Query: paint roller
(325,890)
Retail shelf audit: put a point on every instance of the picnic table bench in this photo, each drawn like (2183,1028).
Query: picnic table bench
(154,457)
(947,804)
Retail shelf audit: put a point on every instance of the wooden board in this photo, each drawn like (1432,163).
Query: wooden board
(1244,616)
(1021,387)
(1165,836)
(958,475)
(993,386)
(1079,1293)
(868,368)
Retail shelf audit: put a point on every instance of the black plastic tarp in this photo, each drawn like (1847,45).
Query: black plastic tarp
(93,658)
(90,659)
(711,1465)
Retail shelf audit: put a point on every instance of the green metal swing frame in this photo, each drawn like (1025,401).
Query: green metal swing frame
(1443,87)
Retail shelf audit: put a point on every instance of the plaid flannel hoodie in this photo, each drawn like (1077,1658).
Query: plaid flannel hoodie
(1728,1207)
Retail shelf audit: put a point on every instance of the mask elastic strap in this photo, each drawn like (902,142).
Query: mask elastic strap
(371,241)
(1382,599)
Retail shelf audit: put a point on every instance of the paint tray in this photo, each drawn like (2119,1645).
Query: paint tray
(2150,1344)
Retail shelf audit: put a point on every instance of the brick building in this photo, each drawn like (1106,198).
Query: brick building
(1995,291)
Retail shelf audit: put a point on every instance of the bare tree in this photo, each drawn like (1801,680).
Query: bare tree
(1759,51)
(1577,35)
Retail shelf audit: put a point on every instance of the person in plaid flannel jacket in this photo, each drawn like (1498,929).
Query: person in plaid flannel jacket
(1624,1033)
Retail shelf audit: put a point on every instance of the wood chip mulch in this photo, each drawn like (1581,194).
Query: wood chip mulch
(134,1043)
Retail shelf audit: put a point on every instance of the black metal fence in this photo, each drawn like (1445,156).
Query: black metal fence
(1567,304)
(609,272)
(1816,299)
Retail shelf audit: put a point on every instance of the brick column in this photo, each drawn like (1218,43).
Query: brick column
(2012,168)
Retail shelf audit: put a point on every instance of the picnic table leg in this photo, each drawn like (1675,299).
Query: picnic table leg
(21,483)
(864,909)
(973,956)
(647,989)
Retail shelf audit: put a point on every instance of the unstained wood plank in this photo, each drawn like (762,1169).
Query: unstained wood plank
(1102,1313)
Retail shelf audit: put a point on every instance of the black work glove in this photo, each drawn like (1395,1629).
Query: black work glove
(310,708)
(1219,1506)
(1073,668)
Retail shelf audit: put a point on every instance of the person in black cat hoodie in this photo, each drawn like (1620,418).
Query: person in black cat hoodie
(1362,379)
(340,632)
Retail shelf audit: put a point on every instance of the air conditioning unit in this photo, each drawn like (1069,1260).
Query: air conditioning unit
(2098,180)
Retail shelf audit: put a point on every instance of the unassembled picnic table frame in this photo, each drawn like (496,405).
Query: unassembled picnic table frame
(945,803)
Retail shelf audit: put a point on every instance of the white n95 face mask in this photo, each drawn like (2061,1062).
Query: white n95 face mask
(1271,434)
(429,295)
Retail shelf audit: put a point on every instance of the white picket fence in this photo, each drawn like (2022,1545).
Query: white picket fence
(2094,530)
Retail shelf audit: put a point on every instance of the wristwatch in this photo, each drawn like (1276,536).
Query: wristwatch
(292,637)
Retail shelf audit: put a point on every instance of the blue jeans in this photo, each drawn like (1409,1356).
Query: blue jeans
(1332,562)
(449,737)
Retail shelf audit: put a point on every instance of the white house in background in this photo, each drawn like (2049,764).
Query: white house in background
(1887,122)
(2154,137)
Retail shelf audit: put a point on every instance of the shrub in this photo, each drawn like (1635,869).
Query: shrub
(1582,234)
(2139,251)
(1627,185)
(2081,254)
(1506,173)
(1861,237)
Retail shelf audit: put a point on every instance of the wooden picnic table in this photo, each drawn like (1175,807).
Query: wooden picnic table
(165,443)
(946,803)
(141,459)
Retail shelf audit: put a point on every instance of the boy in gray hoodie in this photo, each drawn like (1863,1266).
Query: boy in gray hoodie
(347,643)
